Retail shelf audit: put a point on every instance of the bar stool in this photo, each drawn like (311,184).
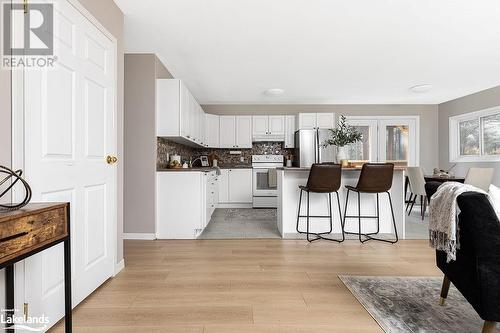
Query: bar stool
(323,178)
(374,178)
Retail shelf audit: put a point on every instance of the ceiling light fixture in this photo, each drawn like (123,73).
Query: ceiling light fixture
(274,92)
(421,88)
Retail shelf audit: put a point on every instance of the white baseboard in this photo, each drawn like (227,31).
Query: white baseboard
(142,236)
(119,266)
(234,205)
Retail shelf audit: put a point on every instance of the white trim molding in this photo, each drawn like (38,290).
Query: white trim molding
(119,266)
(139,236)
(454,136)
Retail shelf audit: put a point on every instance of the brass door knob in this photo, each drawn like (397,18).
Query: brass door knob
(111,159)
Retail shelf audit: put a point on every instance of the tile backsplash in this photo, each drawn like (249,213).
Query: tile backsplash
(166,147)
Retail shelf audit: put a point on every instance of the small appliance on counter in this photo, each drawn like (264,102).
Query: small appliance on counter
(204,161)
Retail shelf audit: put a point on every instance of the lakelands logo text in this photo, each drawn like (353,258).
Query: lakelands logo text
(28,40)
(21,323)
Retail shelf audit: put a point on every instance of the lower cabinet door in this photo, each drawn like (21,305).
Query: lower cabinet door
(240,185)
(223,184)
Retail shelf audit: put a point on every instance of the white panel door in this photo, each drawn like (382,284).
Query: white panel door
(70,127)
(290,132)
(227,131)
(325,120)
(240,185)
(277,125)
(260,125)
(243,131)
(307,121)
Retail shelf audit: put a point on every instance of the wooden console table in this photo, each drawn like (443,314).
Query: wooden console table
(31,230)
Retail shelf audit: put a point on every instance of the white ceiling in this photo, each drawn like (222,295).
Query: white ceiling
(321,51)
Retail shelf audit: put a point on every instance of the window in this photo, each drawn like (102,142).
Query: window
(385,139)
(360,151)
(397,144)
(475,136)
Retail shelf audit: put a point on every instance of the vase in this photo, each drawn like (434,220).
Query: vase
(341,155)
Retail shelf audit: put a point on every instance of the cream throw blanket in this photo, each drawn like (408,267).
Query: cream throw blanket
(443,217)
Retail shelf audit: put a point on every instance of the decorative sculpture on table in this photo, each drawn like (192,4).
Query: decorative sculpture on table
(7,175)
(342,136)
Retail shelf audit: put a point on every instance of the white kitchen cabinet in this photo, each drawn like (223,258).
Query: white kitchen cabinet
(184,201)
(235,186)
(224,186)
(277,125)
(235,131)
(307,121)
(325,120)
(227,132)
(243,132)
(179,117)
(240,185)
(260,126)
(212,130)
(316,120)
(289,131)
(268,128)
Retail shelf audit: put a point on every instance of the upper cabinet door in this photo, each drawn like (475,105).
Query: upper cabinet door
(260,125)
(227,132)
(277,125)
(169,100)
(290,132)
(243,131)
(212,130)
(307,121)
(325,120)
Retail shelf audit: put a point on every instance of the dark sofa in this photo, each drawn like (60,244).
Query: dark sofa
(476,272)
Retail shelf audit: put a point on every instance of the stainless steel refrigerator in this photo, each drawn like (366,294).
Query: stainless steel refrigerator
(309,147)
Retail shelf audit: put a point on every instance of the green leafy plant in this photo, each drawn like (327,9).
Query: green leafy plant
(343,135)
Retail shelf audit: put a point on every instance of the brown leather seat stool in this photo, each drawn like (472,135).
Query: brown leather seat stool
(374,178)
(323,178)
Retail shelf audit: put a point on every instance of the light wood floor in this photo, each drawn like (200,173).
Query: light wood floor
(218,286)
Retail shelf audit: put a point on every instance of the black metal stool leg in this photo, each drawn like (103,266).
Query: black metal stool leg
(345,209)
(298,214)
(330,210)
(340,216)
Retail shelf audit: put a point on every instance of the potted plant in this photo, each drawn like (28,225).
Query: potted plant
(343,135)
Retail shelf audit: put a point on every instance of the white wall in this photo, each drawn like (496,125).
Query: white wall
(475,102)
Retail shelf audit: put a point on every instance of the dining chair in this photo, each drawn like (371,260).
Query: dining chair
(417,188)
(480,178)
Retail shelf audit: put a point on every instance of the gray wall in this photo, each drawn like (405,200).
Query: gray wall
(111,17)
(141,72)
(428,119)
(475,102)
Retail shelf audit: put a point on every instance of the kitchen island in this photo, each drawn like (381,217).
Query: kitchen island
(289,179)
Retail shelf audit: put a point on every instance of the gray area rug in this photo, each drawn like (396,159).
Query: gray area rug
(410,304)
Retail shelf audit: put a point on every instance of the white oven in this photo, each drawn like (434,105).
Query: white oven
(265,180)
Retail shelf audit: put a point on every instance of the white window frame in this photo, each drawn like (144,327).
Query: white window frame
(413,121)
(454,140)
